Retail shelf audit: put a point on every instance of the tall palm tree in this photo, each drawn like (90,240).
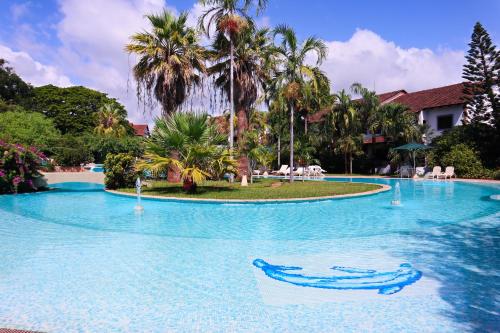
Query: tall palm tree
(171,61)
(229,17)
(367,105)
(250,48)
(110,121)
(345,121)
(290,75)
(397,122)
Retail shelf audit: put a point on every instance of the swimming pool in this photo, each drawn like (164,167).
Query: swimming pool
(80,259)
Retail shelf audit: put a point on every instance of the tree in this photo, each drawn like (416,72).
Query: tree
(198,149)
(73,110)
(12,88)
(290,77)
(482,72)
(396,122)
(250,48)
(171,61)
(367,105)
(346,125)
(230,17)
(28,128)
(110,121)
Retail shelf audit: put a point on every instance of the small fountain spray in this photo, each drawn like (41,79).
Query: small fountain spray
(138,184)
(396,200)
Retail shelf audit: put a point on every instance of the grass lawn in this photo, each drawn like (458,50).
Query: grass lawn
(260,189)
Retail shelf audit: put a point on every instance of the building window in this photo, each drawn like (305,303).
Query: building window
(444,122)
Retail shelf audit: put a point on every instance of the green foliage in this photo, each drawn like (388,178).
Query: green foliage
(100,146)
(465,161)
(12,88)
(480,137)
(28,128)
(19,168)
(170,60)
(190,143)
(119,170)
(71,151)
(111,121)
(482,72)
(73,110)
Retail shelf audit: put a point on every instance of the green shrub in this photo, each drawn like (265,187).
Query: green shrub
(71,151)
(19,168)
(100,146)
(28,128)
(120,171)
(465,161)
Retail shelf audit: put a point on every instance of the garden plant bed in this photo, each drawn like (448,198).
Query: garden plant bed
(261,189)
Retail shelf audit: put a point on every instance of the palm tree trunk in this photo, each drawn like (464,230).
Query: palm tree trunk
(291,143)
(174,173)
(345,163)
(231,99)
(350,163)
(305,125)
(279,151)
(242,121)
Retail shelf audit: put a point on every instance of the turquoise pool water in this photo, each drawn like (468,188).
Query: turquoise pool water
(78,259)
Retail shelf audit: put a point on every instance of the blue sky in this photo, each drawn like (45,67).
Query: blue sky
(383,44)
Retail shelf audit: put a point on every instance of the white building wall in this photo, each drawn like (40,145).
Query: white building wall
(430,116)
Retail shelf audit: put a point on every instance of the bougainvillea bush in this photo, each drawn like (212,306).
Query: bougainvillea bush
(19,167)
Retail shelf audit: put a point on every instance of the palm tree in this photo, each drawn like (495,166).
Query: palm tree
(110,121)
(397,122)
(290,76)
(230,17)
(171,61)
(198,147)
(367,105)
(250,48)
(345,121)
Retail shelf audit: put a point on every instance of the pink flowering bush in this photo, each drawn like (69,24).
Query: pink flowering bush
(19,167)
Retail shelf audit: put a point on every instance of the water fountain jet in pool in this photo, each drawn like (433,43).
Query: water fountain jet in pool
(138,184)
(396,201)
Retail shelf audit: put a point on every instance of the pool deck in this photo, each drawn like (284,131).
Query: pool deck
(64,177)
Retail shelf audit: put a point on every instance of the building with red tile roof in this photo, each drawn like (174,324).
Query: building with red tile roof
(440,108)
(141,130)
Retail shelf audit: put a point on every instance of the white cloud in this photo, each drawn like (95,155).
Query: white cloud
(382,65)
(31,70)
(18,10)
(93,35)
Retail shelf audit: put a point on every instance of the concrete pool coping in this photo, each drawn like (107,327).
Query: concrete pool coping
(383,188)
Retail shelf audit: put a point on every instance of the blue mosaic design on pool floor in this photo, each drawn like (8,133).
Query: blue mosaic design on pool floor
(387,283)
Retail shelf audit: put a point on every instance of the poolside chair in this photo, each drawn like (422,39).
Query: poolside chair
(385,171)
(436,172)
(405,171)
(299,171)
(287,172)
(281,171)
(314,171)
(448,173)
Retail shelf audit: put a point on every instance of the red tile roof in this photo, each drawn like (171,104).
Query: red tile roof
(433,98)
(141,129)
(389,96)
(416,101)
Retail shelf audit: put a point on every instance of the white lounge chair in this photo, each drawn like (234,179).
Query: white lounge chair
(299,171)
(314,171)
(281,171)
(287,172)
(405,171)
(448,173)
(385,171)
(436,172)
